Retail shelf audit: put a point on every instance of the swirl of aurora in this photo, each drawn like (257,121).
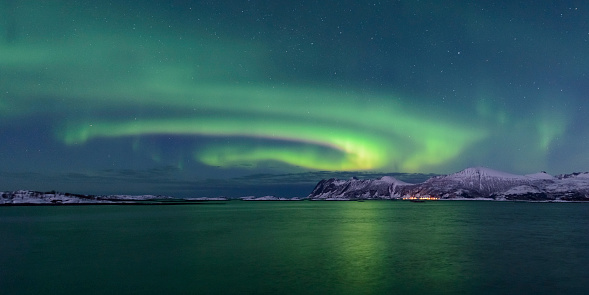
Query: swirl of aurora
(116,89)
(340,135)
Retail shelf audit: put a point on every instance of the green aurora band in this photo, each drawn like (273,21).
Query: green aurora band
(366,137)
(111,83)
(328,129)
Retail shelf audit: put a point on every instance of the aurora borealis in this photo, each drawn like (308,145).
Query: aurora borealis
(188,97)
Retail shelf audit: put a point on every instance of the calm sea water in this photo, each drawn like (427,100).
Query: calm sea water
(374,247)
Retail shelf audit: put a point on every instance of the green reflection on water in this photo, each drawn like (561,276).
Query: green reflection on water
(384,247)
(377,247)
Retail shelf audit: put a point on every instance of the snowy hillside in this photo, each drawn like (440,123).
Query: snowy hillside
(382,188)
(471,183)
(34,197)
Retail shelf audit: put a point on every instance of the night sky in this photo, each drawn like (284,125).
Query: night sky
(236,98)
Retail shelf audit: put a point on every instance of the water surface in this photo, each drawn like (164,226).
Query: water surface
(374,247)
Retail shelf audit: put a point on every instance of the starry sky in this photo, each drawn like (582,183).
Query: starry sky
(236,98)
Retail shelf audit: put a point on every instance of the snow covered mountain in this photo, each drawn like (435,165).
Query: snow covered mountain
(39,198)
(471,183)
(354,188)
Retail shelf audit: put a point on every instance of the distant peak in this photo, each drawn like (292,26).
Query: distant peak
(390,179)
(540,175)
(483,172)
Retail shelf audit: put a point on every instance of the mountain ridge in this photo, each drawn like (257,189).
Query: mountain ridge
(28,197)
(475,183)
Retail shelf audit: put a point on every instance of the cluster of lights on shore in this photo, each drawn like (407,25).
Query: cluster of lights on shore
(418,197)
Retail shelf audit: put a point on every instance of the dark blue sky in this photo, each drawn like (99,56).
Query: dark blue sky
(199,98)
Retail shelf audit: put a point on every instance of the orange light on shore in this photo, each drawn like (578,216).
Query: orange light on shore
(426,197)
